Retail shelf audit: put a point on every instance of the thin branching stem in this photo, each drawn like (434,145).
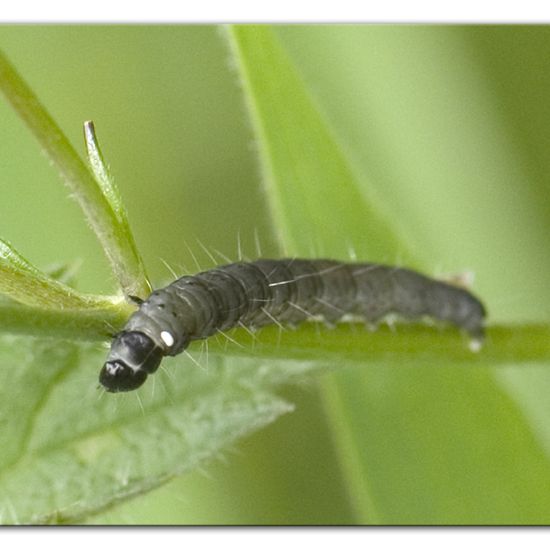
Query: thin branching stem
(103,216)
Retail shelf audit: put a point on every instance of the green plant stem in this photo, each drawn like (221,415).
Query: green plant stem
(116,240)
(406,345)
(89,325)
(401,345)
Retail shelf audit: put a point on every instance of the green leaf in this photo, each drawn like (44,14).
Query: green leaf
(70,450)
(24,283)
(418,444)
(309,183)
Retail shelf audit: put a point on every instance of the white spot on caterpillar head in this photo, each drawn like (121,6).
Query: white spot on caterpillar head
(167,338)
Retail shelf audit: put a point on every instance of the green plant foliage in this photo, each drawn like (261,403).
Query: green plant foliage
(61,463)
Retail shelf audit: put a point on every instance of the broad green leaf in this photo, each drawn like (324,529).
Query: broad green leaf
(428,444)
(69,450)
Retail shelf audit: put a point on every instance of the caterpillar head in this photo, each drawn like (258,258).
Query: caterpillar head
(133,356)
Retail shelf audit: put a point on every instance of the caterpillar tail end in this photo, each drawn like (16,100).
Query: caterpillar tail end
(475,326)
(477,338)
(475,344)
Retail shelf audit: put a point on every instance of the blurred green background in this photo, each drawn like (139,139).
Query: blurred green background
(451,124)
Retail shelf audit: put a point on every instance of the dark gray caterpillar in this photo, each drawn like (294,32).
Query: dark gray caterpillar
(276,291)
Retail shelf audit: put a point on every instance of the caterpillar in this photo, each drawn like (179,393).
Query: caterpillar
(285,291)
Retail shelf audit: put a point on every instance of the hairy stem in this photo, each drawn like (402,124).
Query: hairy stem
(90,325)
(115,238)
